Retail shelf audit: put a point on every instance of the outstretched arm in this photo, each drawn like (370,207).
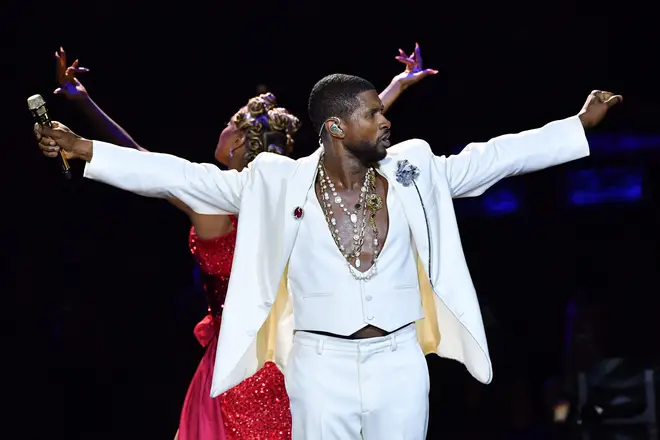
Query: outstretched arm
(202,187)
(106,125)
(482,164)
(73,90)
(412,73)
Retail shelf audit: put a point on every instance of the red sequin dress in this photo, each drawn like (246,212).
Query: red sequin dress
(257,408)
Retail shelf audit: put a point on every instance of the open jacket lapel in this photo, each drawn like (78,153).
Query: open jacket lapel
(298,186)
(428,332)
(412,207)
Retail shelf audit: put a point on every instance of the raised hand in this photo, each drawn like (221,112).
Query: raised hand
(414,70)
(597,104)
(66,78)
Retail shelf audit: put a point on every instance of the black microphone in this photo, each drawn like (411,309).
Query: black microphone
(37,107)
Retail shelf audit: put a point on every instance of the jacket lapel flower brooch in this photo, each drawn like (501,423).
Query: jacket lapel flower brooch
(406,173)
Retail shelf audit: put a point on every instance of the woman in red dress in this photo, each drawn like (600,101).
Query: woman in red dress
(257,408)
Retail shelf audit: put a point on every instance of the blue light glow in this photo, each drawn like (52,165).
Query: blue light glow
(497,201)
(500,202)
(623,143)
(608,185)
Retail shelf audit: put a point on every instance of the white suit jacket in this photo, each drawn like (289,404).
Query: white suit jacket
(257,317)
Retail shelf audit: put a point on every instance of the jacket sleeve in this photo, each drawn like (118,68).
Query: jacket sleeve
(482,164)
(203,187)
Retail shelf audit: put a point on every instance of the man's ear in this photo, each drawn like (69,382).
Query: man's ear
(334,127)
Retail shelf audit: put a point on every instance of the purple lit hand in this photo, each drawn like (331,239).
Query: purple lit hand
(414,70)
(66,78)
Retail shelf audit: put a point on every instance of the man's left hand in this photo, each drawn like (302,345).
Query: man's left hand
(596,106)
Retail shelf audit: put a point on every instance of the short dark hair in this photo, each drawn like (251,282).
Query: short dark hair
(335,95)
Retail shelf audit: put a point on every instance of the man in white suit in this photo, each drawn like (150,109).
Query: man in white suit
(348,264)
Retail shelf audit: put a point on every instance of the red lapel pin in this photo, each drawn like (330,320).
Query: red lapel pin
(298,213)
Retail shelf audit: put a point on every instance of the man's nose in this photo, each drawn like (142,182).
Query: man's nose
(385,123)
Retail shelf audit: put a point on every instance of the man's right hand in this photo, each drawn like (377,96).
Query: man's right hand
(61,138)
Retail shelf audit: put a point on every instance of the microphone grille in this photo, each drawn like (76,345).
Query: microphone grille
(35,101)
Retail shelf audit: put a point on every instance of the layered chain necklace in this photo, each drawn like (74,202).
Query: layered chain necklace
(363,212)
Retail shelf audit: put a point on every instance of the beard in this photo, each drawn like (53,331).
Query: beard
(369,152)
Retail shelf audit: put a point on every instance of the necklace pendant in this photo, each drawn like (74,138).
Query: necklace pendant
(353,218)
(357,263)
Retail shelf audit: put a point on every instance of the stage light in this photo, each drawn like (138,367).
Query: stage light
(606,185)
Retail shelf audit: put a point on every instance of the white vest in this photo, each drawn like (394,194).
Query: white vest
(326,295)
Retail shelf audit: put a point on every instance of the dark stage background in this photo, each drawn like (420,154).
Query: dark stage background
(101,301)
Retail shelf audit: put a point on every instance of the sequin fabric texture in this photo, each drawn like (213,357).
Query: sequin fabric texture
(257,408)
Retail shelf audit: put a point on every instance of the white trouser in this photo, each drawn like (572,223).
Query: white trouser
(371,389)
